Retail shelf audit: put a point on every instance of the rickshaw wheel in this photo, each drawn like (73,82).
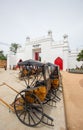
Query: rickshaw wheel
(29,111)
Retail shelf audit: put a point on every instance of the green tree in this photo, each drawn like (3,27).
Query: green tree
(2,56)
(14,47)
(80,56)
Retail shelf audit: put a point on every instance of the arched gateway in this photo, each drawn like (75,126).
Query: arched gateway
(59,61)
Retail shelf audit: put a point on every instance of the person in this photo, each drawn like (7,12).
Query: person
(17,66)
(5,67)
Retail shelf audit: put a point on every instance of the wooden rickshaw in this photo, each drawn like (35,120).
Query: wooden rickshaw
(55,77)
(28,103)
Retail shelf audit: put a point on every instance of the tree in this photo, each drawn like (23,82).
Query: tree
(14,47)
(80,56)
(2,56)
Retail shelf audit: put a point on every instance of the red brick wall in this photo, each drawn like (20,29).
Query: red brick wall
(3,63)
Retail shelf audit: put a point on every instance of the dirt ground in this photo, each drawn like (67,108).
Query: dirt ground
(73,98)
(8,119)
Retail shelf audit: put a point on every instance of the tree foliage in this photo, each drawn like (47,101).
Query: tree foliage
(80,56)
(2,56)
(14,47)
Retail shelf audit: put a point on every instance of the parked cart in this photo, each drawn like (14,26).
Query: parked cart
(29,103)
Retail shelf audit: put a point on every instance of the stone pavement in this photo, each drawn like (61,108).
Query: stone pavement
(9,121)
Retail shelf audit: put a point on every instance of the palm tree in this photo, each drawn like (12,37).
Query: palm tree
(14,47)
(80,56)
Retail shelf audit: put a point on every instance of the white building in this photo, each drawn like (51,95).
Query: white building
(48,50)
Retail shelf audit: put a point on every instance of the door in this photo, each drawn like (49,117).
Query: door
(36,55)
(59,61)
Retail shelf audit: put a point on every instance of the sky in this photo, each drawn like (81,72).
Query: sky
(34,18)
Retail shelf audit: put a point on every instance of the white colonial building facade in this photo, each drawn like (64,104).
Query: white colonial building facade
(46,50)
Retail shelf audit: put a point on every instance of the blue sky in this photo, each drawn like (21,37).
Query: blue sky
(33,18)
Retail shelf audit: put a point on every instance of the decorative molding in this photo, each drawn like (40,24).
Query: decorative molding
(41,40)
(36,45)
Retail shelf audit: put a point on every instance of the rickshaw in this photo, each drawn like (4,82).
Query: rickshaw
(55,75)
(28,104)
(56,79)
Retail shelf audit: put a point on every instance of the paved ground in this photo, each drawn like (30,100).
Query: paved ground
(9,121)
(73,100)
(73,96)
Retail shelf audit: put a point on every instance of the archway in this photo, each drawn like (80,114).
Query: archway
(59,61)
